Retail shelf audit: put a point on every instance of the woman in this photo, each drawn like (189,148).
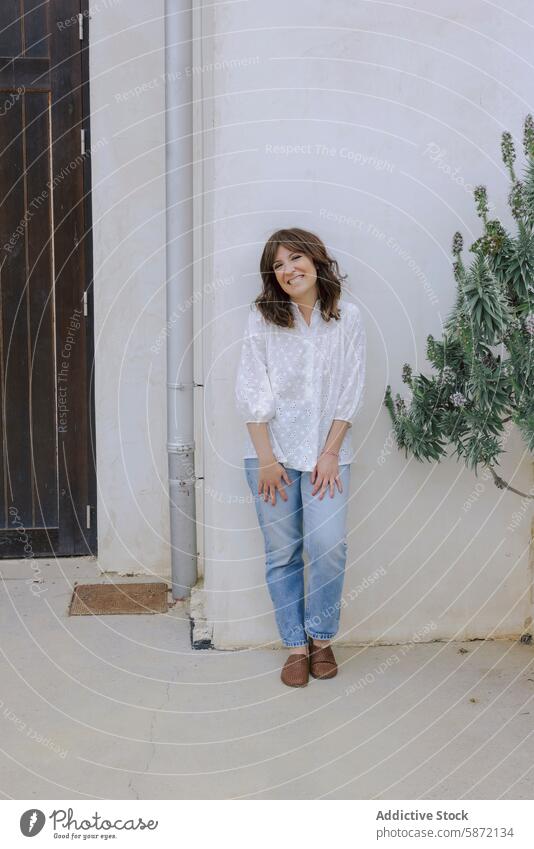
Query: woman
(299,385)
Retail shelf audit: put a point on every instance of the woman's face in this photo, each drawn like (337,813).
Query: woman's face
(295,272)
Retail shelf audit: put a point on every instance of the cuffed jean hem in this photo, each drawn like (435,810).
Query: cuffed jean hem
(294,645)
(320,636)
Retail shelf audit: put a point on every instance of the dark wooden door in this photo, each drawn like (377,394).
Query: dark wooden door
(47,474)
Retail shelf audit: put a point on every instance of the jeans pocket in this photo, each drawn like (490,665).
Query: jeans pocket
(251,476)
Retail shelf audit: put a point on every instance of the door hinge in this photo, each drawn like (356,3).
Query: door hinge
(88,515)
(82,142)
(80,26)
(85,310)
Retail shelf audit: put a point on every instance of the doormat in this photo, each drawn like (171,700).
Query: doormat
(94,599)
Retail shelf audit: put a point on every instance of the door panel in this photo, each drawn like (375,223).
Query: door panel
(47,483)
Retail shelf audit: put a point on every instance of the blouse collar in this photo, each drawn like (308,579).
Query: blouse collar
(316,311)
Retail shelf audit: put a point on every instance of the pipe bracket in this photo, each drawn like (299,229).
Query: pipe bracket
(180,447)
(184,385)
(185,481)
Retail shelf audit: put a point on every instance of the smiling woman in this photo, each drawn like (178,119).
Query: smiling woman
(295,253)
(299,386)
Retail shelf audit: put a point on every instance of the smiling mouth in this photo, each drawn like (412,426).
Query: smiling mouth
(293,279)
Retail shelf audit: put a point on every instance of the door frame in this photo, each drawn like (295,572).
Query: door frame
(91,536)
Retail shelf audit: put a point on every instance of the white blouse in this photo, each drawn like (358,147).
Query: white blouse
(299,380)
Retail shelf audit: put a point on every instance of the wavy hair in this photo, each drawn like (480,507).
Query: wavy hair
(273,302)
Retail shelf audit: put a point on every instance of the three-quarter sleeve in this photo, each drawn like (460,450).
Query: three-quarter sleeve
(253,393)
(353,371)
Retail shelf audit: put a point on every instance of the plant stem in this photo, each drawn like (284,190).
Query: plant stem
(502,484)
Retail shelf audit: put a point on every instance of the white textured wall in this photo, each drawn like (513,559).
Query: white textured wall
(127,51)
(398,110)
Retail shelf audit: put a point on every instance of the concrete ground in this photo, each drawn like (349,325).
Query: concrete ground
(121,707)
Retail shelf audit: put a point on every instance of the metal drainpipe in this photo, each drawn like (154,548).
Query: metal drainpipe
(179,263)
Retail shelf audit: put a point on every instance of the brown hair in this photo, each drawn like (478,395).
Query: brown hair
(273,302)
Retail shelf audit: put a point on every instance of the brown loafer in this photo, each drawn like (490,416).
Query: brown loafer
(296,670)
(322,661)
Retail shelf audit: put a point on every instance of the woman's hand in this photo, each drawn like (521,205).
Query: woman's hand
(270,478)
(326,474)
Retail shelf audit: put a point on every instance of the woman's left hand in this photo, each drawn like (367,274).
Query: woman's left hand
(326,474)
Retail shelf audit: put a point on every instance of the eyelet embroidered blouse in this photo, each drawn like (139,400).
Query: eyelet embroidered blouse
(299,380)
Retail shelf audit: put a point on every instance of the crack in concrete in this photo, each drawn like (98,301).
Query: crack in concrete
(151,740)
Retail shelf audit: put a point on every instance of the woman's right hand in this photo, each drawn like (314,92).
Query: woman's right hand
(271,477)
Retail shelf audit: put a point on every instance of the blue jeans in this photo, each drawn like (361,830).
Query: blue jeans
(303,521)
